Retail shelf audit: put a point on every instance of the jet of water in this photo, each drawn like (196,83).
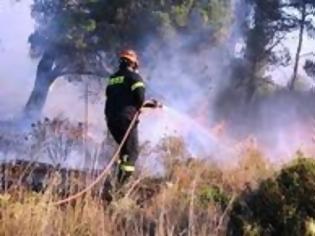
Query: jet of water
(159,123)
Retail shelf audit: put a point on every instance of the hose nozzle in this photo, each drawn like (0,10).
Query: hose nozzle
(152,103)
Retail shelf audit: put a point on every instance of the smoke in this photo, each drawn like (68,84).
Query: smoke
(186,75)
(194,67)
(189,74)
(17,70)
(193,75)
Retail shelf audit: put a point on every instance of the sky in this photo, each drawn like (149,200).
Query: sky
(17,70)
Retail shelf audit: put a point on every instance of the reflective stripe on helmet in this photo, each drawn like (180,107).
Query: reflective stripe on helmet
(137,85)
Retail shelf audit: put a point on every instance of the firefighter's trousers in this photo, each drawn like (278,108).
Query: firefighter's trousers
(130,150)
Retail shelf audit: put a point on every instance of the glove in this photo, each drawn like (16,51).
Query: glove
(152,103)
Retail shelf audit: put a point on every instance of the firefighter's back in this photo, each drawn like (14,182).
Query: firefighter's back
(120,101)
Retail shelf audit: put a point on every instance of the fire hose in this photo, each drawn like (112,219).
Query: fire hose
(104,173)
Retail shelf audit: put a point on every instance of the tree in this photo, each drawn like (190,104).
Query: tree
(281,205)
(81,37)
(309,68)
(264,31)
(305,11)
(266,28)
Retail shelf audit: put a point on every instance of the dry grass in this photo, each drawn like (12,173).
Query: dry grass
(192,198)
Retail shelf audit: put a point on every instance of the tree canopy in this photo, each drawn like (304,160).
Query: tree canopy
(82,37)
(266,29)
(96,29)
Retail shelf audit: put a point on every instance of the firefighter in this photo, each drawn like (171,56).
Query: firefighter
(125,97)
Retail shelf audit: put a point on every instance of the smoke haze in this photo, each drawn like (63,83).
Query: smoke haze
(17,71)
(189,75)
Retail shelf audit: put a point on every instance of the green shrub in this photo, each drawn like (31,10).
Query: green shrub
(283,205)
(213,194)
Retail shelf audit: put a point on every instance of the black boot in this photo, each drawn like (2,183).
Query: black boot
(107,193)
(123,176)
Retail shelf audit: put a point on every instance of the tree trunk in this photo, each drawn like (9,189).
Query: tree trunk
(299,48)
(45,77)
(255,55)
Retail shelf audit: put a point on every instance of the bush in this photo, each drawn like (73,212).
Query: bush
(283,205)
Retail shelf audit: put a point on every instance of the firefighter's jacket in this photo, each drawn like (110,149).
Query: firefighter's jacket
(125,94)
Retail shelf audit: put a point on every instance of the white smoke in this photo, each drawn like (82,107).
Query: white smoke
(17,71)
(185,79)
(186,75)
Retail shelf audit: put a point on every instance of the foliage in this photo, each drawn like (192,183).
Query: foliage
(266,29)
(82,38)
(213,194)
(310,68)
(274,19)
(96,27)
(283,205)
